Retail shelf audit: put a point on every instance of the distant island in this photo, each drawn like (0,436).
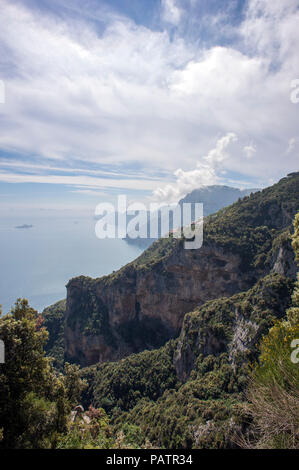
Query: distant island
(24,226)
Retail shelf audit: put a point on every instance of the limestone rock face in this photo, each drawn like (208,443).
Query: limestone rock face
(143,308)
(283,260)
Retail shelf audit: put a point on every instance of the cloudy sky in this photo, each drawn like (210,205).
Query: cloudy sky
(149,98)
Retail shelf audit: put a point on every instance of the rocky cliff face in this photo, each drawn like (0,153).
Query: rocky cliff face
(144,304)
(283,259)
(143,308)
(233,326)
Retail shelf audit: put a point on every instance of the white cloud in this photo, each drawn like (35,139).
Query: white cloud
(219,153)
(291,145)
(271,28)
(134,96)
(204,174)
(249,151)
(74,180)
(171,12)
(89,192)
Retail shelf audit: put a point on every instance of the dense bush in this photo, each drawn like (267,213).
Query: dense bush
(122,384)
(54,323)
(274,387)
(35,401)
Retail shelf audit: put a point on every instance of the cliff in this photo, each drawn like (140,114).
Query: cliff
(142,308)
(233,326)
(144,304)
(190,391)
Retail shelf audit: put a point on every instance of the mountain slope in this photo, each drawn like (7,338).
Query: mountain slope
(143,304)
(213,198)
(172,393)
(216,197)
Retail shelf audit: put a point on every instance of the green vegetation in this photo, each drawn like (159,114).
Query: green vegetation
(144,389)
(251,234)
(273,393)
(92,430)
(293,312)
(36,401)
(89,311)
(53,322)
(247,227)
(227,381)
(274,386)
(196,415)
(33,402)
(120,385)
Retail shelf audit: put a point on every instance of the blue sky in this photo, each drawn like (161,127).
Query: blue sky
(149,98)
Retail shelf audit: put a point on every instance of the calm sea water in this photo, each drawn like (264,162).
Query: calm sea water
(37,262)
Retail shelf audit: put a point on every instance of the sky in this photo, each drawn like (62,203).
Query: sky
(148,98)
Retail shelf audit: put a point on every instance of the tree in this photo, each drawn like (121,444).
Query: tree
(33,398)
(73,383)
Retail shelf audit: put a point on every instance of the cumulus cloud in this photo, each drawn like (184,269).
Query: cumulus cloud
(205,173)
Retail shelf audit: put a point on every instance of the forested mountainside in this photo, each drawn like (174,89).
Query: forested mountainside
(143,305)
(190,391)
(231,326)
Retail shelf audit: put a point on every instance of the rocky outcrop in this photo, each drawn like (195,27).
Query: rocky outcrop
(232,326)
(283,259)
(144,304)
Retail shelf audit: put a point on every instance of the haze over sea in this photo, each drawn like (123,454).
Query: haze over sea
(37,262)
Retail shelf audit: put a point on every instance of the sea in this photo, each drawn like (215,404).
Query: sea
(38,256)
